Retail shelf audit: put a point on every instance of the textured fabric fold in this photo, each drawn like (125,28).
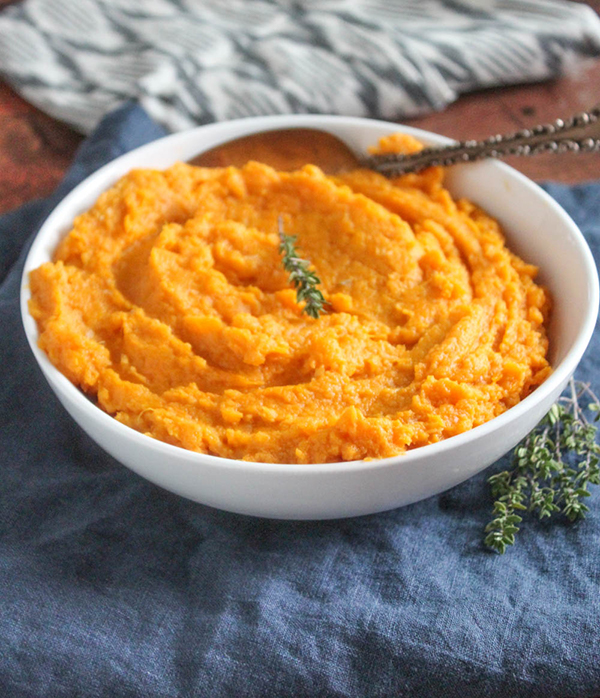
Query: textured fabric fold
(191,62)
(110,586)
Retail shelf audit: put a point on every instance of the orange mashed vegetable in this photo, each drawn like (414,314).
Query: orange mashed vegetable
(168,304)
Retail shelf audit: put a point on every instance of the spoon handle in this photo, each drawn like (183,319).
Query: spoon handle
(580,133)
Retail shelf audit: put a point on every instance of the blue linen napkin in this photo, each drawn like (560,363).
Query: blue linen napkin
(110,586)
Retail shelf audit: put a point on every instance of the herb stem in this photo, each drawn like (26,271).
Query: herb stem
(301,276)
(551,469)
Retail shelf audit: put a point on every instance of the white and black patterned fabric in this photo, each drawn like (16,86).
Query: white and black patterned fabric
(197,61)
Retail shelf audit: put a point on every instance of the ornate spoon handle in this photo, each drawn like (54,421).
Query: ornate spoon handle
(580,133)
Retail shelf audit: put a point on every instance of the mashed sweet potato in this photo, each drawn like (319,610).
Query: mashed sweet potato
(169,305)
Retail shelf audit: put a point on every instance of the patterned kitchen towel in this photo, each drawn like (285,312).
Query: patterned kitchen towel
(191,62)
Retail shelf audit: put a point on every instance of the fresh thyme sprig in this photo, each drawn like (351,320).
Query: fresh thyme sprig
(304,279)
(552,468)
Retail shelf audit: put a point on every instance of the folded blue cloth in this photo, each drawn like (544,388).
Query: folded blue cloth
(110,586)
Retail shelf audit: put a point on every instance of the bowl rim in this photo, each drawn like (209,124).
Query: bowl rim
(559,376)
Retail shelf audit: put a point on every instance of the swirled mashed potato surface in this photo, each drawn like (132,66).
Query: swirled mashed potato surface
(169,305)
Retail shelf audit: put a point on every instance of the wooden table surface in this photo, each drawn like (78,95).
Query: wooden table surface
(35,149)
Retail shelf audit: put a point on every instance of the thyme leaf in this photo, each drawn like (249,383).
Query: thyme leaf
(301,275)
(551,469)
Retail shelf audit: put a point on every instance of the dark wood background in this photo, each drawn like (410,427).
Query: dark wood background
(35,149)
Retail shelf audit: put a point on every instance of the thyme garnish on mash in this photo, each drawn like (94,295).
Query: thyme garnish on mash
(552,468)
(300,275)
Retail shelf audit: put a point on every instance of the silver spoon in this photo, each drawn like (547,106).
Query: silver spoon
(289,149)
(579,133)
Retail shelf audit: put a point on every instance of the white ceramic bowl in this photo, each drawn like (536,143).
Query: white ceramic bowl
(537,229)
